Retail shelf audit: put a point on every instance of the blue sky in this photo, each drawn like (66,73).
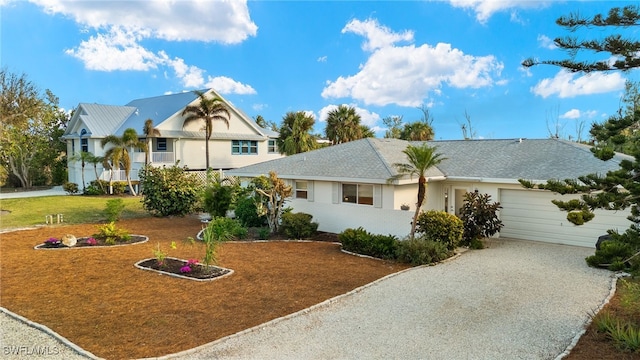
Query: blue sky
(270,57)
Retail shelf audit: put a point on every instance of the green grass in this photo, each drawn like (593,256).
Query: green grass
(77,209)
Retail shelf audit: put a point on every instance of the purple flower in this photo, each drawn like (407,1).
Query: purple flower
(52,241)
(91,241)
(185,269)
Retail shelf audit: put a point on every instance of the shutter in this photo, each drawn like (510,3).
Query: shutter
(309,190)
(335,193)
(377,196)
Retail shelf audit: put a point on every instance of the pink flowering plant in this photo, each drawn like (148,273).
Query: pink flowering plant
(190,266)
(91,241)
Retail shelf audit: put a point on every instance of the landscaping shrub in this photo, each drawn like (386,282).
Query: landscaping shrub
(114,209)
(168,190)
(298,225)
(97,187)
(118,187)
(479,217)
(70,188)
(217,199)
(111,234)
(247,213)
(225,225)
(362,242)
(421,251)
(441,227)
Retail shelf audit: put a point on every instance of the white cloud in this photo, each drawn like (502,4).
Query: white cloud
(225,21)
(546,42)
(484,9)
(565,84)
(571,114)
(376,36)
(118,47)
(322,58)
(406,75)
(116,50)
(225,85)
(367,117)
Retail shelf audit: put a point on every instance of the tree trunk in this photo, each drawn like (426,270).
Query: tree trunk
(422,191)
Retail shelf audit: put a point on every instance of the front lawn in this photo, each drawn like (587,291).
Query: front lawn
(76,209)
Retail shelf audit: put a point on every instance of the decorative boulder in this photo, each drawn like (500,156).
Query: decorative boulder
(69,240)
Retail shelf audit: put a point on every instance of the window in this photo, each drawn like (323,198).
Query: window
(302,190)
(357,194)
(84,145)
(273,148)
(244,147)
(162,144)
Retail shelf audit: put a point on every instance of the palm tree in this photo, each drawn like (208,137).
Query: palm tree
(149,132)
(343,125)
(95,160)
(417,131)
(295,133)
(208,110)
(420,159)
(83,157)
(119,153)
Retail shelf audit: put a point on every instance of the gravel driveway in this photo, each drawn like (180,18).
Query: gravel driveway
(514,300)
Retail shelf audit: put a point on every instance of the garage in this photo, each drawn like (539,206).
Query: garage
(530,215)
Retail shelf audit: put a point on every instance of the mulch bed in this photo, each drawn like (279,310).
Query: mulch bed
(176,267)
(82,242)
(100,301)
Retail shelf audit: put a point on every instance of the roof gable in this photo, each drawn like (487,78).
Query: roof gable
(367,160)
(99,120)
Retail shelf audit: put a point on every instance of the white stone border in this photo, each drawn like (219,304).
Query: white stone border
(37,247)
(612,291)
(50,332)
(182,276)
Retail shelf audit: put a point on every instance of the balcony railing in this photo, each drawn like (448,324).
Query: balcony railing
(161,157)
(118,175)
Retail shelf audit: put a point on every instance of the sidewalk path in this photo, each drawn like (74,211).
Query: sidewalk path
(54,191)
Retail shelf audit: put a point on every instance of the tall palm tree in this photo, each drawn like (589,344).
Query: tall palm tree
(95,160)
(420,159)
(149,132)
(295,133)
(119,153)
(208,110)
(343,125)
(83,157)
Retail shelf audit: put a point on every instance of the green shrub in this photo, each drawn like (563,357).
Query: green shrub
(111,234)
(479,217)
(362,242)
(612,252)
(298,225)
(263,233)
(97,187)
(441,227)
(70,188)
(118,187)
(168,190)
(217,199)
(247,213)
(114,209)
(421,251)
(228,226)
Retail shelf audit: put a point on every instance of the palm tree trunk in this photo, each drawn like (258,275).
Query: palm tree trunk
(422,191)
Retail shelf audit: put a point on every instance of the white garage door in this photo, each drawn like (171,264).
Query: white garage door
(530,215)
